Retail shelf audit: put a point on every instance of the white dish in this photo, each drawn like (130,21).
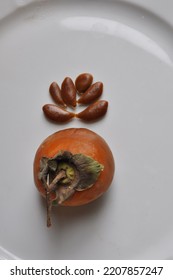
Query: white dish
(129,46)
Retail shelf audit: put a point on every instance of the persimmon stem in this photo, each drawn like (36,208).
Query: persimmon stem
(48,203)
(49,188)
(58,177)
(49,207)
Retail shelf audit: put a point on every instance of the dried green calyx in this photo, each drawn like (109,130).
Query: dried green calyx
(65,174)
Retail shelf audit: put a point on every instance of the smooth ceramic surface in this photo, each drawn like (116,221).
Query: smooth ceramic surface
(128,45)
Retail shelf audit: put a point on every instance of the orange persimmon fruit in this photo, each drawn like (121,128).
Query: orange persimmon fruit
(73,167)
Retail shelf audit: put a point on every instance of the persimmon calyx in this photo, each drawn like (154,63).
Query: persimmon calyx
(64,174)
(80,173)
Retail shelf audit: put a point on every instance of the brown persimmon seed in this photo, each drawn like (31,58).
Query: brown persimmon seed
(68,92)
(92,93)
(83,82)
(94,111)
(57,114)
(55,93)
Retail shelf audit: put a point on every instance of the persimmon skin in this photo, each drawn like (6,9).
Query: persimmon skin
(78,140)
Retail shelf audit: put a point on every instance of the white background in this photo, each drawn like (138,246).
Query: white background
(129,47)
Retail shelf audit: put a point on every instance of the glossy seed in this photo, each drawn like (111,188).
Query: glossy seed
(93,93)
(57,114)
(55,93)
(94,111)
(68,92)
(83,82)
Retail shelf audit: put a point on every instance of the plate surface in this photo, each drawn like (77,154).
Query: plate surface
(129,47)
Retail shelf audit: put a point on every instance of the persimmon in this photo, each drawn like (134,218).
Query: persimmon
(72,167)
